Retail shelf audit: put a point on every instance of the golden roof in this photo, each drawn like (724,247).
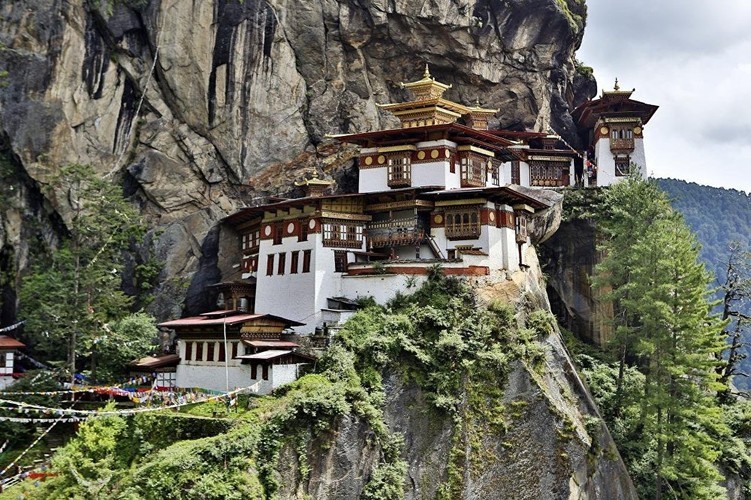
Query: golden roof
(617,91)
(314,180)
(476,109)
(426,88)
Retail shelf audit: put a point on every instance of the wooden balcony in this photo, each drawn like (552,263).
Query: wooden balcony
(621,145)
(395,236)
(469,231)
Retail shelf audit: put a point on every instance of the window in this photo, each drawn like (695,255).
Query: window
(342,234)
(473,170)
(282,263)
(622,138)
(515,175)
(251,240)
(463,224)
(521,227)
(294,261)
(254,371)
(221,352)
(198,351)
(340,261)
(306,261)
(548,174)
(270,265)
(495,177)
(622,166)
(399,171)
(265,372)
(235,345)
(303,234)
(210,351)
(189,351)
(278,233)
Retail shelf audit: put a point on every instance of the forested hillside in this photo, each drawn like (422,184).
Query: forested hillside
(719,217)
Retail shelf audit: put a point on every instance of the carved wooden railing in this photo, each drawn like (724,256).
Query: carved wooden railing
(621,144)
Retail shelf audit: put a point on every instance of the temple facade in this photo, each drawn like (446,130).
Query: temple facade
(613,128)
(440,190)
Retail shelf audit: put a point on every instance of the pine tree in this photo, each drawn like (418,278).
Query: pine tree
(74,291)
(660,292)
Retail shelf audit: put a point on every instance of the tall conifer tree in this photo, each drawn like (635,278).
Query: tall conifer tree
(651,267)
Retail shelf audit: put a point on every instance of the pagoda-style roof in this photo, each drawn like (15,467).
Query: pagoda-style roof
(455,132)
(409,107)
(614,103)
(500,194)
(428,107)
(218,318)
(427,87)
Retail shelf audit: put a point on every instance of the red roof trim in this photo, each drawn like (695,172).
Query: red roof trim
(10,343)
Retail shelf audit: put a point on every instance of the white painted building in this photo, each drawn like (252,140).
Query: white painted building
(8,348)
(613,127)
(253,355)
(432,192)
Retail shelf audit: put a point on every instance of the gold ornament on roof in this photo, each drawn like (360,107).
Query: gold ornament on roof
(313,180)
(616,87)
(426,88)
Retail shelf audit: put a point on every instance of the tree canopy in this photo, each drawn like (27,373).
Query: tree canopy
(73,293)
(666,330)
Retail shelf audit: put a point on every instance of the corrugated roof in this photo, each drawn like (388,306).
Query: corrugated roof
(10,343)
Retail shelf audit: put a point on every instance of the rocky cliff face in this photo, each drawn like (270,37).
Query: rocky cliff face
(198,109)
(553,445)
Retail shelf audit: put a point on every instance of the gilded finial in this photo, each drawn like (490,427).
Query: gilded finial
(616,86)
(427,71)
(477,102)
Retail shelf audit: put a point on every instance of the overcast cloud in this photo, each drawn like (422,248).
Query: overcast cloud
(693,59)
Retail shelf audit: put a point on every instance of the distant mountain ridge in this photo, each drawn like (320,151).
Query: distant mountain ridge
(719,217)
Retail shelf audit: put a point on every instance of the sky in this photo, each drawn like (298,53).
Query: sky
(692,58)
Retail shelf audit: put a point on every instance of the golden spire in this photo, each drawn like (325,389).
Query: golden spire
(314,186)
(616,87)
(427,87)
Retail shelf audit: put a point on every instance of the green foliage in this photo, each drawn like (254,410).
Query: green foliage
(439,338)
(121,342)
(721,219)
(72,293)
(664,329)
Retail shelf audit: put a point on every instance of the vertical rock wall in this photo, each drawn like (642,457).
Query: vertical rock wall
(200,108)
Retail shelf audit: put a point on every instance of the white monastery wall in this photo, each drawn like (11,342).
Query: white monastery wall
(373,179)
(283,374)
(212,376)
(431,174)
(605,163)
(274,292)
(382,287)
(524,174)
(639,158)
